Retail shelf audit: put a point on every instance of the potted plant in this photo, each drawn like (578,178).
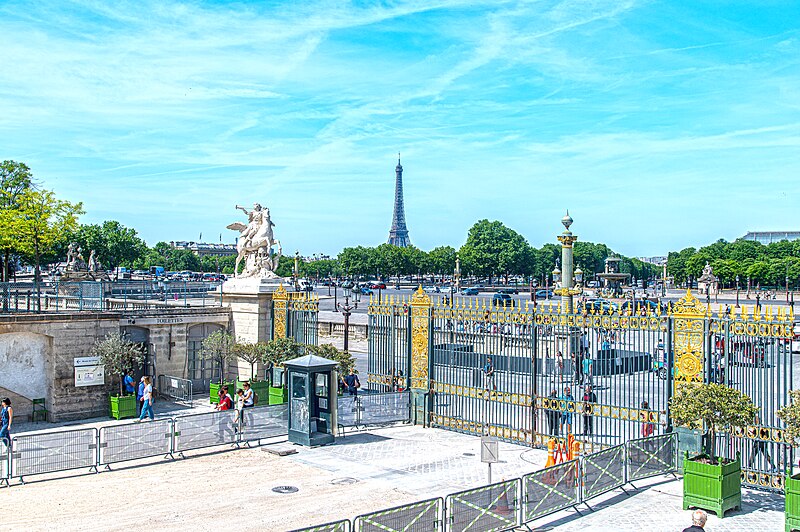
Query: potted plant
(709,481)
(119,355)
(253,354)
(790,415)
(218,347)
(276,352)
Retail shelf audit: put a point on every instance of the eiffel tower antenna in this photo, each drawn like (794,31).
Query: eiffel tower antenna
(398,234)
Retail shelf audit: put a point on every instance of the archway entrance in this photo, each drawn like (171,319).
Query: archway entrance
(200,370)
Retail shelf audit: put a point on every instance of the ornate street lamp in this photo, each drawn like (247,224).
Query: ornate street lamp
(737,291)
(296,271)
(346,311)
(566,291)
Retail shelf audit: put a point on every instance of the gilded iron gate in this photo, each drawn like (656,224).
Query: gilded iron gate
(526,374)
(295,315)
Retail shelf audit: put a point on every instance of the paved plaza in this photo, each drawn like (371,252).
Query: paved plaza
(362,472)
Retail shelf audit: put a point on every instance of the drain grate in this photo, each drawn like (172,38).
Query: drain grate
(285,489)
(344,481)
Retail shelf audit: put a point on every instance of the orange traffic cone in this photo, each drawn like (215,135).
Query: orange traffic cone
(550,446)
(570,442)
(502,507)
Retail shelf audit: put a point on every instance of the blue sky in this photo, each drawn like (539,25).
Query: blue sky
(657,124)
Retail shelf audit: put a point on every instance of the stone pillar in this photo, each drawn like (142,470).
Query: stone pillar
(251,306)
(420,363)
(567,239)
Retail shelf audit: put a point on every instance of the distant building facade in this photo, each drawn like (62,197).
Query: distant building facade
(203,249)
(768,237)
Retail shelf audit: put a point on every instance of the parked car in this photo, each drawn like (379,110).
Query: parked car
(366,290)
(640,304)
(377,285)
(502,300)
(347,284)
(601,305)
(507,290)
(544,294)
(431,289)
(469,291)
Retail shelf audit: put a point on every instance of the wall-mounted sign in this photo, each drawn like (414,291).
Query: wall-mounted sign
(85,361)
(90,375)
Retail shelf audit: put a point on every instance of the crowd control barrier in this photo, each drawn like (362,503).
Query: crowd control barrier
(5,463)
(550,490)
(176,389)
(486,509)
(51,452)
(336,526)
(133,441)
(263,423)
(517,502)
(197,431)
(651,456)
(424,516)
(373,409)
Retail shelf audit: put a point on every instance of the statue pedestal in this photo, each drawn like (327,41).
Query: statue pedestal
(250,300)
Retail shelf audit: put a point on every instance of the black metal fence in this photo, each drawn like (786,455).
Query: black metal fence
(52,452)
(513,503)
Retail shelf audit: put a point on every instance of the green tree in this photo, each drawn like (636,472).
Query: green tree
(114,244)
(330,351)
(218,347)
(119,355)
(41,221)
(711,407)
(15,179)
(494,249)
(250,353)
(442,260)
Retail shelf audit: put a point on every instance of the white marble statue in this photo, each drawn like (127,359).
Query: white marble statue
(255,244)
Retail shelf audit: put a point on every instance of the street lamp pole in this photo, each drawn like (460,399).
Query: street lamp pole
(737,291)
(296,272)
(346,310)
(566,291)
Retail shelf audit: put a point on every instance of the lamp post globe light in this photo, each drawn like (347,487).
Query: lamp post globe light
(346,310)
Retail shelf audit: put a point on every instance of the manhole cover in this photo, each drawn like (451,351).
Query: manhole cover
(284,489)
(469,454)
(343,481)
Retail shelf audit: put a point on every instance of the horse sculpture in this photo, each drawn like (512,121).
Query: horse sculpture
(256,239)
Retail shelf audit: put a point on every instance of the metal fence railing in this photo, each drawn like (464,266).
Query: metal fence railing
(651,456)
(373,409)
(175,388)
(550,490)
(517,502)
(263,423)
(336,526)
(5,462)
(603,471)
(488,508)
(423,516)
(133,441)
(51,452)
(196,431)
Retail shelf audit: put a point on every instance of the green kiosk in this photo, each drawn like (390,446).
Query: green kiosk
(312,400)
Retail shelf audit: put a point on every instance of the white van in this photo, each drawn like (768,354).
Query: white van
(796,338)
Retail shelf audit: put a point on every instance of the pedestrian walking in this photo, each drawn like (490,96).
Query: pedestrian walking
(352,382)
(587,369)
(759,447)
(488,372)
(147,400)
(648,428)
(139,395)
(699,518)
(566,415)
(553,414)
(6,419)
(589,398)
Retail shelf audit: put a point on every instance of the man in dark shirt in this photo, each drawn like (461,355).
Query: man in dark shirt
(589,397)
(352,383)
(698,522)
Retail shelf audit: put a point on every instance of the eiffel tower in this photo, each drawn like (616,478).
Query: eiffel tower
(398,234)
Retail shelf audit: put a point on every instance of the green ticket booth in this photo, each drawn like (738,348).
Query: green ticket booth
(312,400)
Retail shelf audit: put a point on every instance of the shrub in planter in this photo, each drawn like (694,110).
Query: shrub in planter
(119,355)
(790,415)
(711,482)
(276,352)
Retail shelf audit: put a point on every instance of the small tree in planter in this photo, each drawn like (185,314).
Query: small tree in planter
(331,352)
(711,482)
(253,354)
(790,415)
(218,347)
(276,352)
(119,355)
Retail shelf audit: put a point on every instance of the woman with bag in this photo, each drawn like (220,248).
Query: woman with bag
(353,384)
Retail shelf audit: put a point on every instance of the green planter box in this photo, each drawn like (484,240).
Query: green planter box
(122,407)
(213,391)
(261,388)
(717,488)
(792,490)
(278,396)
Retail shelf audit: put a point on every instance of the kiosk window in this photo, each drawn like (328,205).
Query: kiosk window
(321,388)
